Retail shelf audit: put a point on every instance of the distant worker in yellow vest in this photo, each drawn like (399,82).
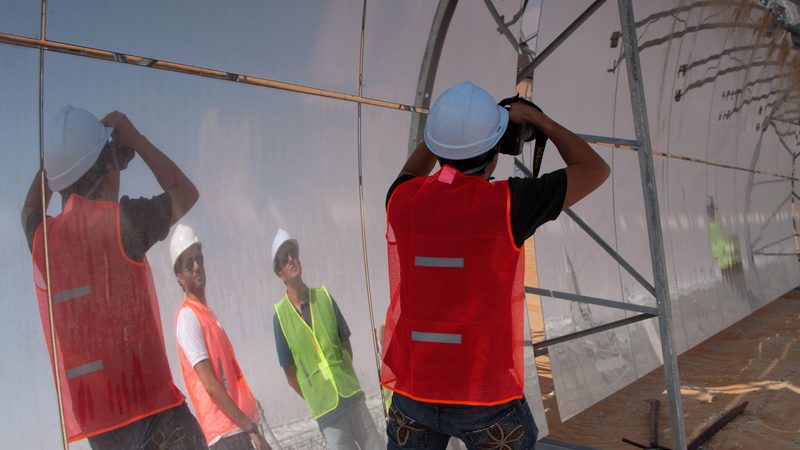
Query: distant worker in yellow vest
(220,395)
(723,247)
(313,346)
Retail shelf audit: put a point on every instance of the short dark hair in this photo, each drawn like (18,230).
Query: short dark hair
(470,164)
(86,184)
(178,266)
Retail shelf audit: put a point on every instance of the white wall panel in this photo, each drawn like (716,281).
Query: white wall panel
(22,18)
(303,42)
(393,52)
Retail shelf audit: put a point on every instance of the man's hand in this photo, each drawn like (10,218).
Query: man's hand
(259,443)
(125,134)
(181,190)
(521,113)
(585,169)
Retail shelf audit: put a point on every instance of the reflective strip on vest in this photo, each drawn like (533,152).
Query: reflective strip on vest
(69,294)
(85,369)
(438,338)
(431,261)
(222,373)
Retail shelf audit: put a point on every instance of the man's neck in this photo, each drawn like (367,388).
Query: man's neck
(199,296)
(297,291)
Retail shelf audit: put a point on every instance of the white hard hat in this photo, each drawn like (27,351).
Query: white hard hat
(280,238)
(74,141)
(182,238)
(464,122)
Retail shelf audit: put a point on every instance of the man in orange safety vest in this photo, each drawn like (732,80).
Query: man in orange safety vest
(454,340)
(225,407)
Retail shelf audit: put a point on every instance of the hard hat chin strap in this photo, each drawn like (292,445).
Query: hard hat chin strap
(97,183)
(483,161)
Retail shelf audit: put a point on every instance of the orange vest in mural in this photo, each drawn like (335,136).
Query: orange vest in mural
(454,328)
(212,420)
(111,359)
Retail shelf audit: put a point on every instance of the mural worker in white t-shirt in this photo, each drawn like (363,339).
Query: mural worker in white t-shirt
(226,409)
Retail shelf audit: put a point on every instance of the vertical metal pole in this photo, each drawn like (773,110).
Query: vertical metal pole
(794,210)
(634,70)
(362,207)
(427,70)
(42,183)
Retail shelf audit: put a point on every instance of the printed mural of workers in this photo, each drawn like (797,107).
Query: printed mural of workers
(115,379)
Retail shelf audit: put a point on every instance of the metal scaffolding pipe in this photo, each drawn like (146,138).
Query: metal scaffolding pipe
(188,69)
(652,212)
(528,70)
(591,300)
(539,348)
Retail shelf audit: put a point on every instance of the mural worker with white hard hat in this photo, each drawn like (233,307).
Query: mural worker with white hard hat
(453,343)
(313,346)
(220,395)
(115,380)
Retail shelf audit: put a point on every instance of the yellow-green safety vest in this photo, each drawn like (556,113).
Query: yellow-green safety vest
(722,247)
(324,368)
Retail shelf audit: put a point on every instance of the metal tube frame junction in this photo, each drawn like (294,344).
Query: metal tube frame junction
(660,287)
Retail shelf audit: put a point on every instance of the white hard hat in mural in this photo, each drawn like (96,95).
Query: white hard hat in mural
(74,141)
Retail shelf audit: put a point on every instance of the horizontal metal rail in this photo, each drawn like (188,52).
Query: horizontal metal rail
(540,348)
(633,145)
(106,55)
(791,236)
(775,254)
(610,141)
(758,183)
(592,300)
(599,240)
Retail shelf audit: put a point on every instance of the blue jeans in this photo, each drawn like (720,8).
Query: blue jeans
(354,427)
(173,429)
(429,426)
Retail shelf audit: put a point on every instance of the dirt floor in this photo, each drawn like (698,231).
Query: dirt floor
(755,360)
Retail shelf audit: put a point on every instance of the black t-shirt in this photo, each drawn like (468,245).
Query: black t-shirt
(533,201)
(143,222)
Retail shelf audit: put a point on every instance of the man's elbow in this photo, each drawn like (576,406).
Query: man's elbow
(183,200)
(192,196)
(604,171)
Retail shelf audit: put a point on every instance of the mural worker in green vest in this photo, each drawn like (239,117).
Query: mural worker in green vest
(313,346)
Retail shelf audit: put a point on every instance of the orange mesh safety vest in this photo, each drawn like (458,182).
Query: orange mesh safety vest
(212,420)
(454,328)
(112,363)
